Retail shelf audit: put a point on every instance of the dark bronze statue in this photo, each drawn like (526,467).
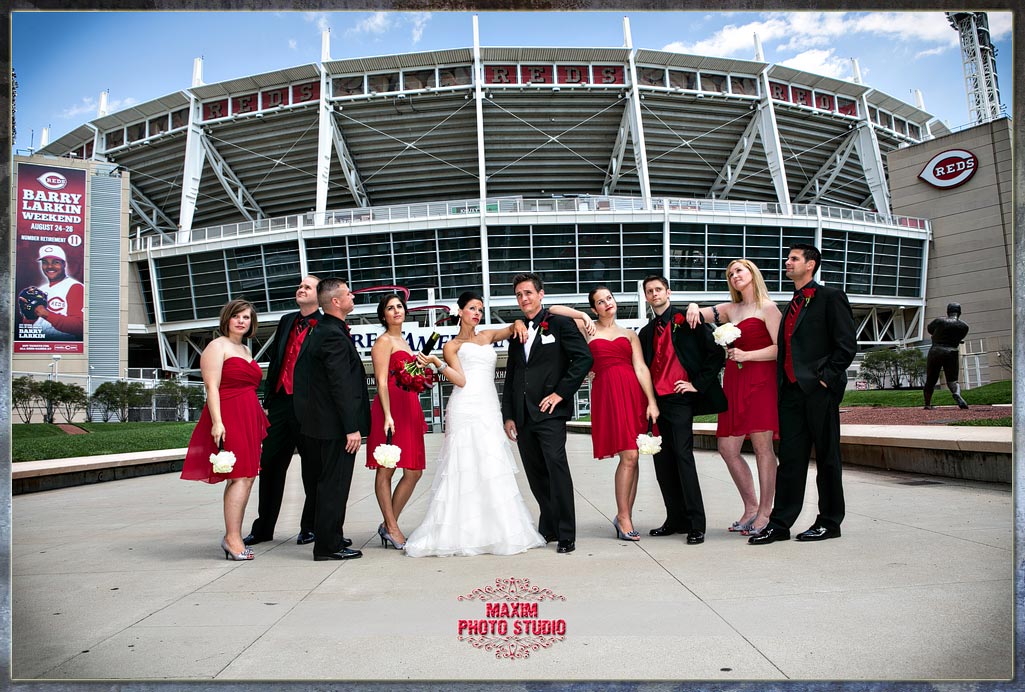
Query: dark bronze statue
(947,334)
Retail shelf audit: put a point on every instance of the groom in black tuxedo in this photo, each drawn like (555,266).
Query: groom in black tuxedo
(333,407)
(684,365)
(541,377)
(283,434)
(816,344)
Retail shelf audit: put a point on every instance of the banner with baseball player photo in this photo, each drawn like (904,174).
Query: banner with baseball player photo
(50,260)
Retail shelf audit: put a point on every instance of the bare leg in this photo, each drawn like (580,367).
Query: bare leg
(729,450)
(403,491)
(236,496)
(765,458)
(626,488)
(382,488)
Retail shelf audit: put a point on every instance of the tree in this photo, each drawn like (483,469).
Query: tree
(24,391)
(52,393)
(912,365)
(117,397)
(73,399)
(182,396)
(877,368)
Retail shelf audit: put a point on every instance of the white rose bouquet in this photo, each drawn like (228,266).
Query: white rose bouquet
(387,455)
(223,461)
(726,334)
(648,443)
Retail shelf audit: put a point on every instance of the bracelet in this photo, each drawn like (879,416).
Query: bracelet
(715,314)
(442,366)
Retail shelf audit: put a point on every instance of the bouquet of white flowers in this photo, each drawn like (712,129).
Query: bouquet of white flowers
(223,461)
(648,443)
(726,334)
(387,455)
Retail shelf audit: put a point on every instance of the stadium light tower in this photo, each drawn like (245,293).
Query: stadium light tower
(979,60)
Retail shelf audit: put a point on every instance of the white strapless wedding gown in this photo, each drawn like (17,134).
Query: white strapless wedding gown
(476,506)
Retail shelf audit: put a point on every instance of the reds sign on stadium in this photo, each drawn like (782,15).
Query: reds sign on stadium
(950,168)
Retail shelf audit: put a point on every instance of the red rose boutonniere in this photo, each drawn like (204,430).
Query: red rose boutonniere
(677,321)
(808,294)
(543,326)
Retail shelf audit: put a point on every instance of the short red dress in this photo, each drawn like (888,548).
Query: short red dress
(408,415)
(618,404)
(750,390)
(245,426)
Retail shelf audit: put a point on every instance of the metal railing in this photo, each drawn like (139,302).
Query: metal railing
(344,218)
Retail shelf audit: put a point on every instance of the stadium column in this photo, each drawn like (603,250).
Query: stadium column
(478,95)
(770,142)
(636,126)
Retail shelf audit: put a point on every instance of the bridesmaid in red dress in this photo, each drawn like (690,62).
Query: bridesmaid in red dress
(749,383)
(398,411)
(232,418)
(622,398)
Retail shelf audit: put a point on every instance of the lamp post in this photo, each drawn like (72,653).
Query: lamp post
(56,367)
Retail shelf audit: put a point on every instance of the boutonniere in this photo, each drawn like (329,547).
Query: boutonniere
(543,327)
(677,321)
(808,294)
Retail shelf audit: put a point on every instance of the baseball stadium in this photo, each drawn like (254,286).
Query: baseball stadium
(443,171)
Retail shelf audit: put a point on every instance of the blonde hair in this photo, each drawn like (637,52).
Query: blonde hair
(761,292)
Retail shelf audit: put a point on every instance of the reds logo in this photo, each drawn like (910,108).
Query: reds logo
(52,180)
(56,304)
(950,168)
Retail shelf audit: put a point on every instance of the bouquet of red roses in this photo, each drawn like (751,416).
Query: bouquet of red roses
(412,376)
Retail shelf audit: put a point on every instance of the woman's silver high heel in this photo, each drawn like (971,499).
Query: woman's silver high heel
(631,536)
(386,539)
(246,554)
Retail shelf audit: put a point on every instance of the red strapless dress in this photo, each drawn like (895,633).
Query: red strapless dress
(750,390)
(618,404)
(245,426)
(408,415)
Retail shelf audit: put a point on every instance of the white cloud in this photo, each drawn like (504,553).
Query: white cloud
(822,62)
(931,51)
(292,44)
(88,106)
(801,31)
(377,23)
(318,18)
(419,21)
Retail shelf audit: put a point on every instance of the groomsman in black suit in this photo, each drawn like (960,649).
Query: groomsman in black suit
(333,407)
(283,434)
(541,377)
(816,345)
(684,365)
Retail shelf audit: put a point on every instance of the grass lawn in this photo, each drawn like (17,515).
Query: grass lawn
(994,393)
(33,441)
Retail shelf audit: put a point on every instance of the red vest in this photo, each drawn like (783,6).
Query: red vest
(666,369)
(295,342)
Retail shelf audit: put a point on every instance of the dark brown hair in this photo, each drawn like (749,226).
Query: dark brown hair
(232,308)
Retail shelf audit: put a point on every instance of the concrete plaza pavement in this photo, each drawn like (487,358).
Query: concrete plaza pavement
(125,580)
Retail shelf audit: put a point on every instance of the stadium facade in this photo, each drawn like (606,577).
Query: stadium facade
(455,169)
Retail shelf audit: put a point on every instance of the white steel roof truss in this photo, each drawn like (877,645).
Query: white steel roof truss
(151,214)
(618,152)
(730,173)
(238,193)
(352,178)
(823,179)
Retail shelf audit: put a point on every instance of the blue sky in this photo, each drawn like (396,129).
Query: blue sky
(64,60)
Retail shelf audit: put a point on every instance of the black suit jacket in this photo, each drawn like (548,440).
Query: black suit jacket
(277,356)
(556,364)
(330,396)
(823,342)
(699,355)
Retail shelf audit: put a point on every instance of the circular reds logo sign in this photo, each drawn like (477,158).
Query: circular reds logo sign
(950,168)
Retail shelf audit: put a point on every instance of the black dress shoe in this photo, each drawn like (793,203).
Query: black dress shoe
(665,530)
(770,534)
(566,547)
(305,537)
(253,539)
(695,537)
(550,539)
(343,554)
(818,533)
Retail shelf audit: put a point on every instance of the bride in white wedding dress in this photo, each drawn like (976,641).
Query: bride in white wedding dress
(475,506)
